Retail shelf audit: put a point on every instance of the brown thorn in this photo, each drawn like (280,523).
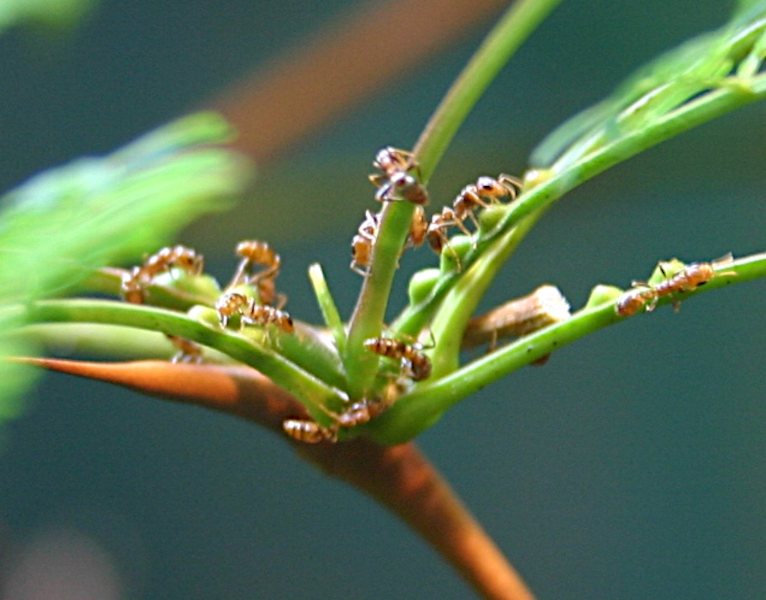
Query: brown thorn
(399,477)
(239,391)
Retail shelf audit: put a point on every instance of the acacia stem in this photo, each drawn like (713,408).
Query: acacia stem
(410,486)
(398,477)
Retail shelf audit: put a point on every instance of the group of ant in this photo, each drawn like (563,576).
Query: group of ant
(263,310)
(258,269)
(399,179)
(260,265)
(309,431)
(414,364)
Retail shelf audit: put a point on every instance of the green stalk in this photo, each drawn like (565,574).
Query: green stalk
(705,108)
(306,387)
(423,406)
(513,28)
(516,25)
(460,304)
(692,114)
(328,307)
(367,320)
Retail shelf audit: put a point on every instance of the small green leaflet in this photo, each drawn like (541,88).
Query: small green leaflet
(59,226)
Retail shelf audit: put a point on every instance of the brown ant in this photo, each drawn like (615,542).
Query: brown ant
(234,303)
(396,180)
(500,187)
(362,412)
(402,185)
(418,228)
(267,293)
(188,351)
(686,280)
(361,244)
(259,314)
(389,160)
(358,413)
(415,364)
(255,252)
(229,305)
(309,432)
(440,222)
(486,191)
(135,281)
(436,232)
(631,302)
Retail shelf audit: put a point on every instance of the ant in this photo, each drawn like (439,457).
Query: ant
(362,412)
(402,185)
(234,303)
(389,160)
(188,351)
(632,301)
(486,191)
(440,222)
(686,280)
(358,413)
(258,253)
(229,305)
(135,281)
(418,228)
(255,252)
(436,232)
(134,284)
(415,364)
(396,180)
(361,244)
(258,314)
(309,432)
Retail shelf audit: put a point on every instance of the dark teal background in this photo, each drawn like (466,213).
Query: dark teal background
(631,466)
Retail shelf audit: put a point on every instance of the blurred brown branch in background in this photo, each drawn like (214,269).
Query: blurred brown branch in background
(352,58)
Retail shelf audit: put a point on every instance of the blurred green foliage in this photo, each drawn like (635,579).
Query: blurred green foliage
(62,224)
(673,78)
(52,14)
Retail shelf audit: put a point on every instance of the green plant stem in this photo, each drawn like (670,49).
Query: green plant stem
(327,306)
(305,386)
(513,28)
(516,25)
(367,320)
(459,305)
(112,342)
(705,108)
(423,406)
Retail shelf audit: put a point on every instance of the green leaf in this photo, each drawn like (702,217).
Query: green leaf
(58,14)
(743,6)
(699,65)
(59,226)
